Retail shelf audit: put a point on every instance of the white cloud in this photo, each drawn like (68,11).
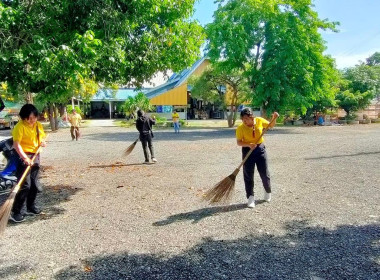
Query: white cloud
(158,79)
(350,60)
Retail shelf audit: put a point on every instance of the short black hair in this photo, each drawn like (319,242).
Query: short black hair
(140,113)
(246,112)
(26,110)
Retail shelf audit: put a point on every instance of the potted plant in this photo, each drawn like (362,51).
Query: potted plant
(352,119)
(376,120)
(342,120)
(366,119)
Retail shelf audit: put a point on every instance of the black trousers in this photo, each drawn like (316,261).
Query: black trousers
(257,158)
(146,141)
(28,191)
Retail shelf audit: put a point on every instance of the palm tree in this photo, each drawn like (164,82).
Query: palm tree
(132,104)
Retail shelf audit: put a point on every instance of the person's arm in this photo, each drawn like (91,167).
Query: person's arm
(273,120)
(42,134)
(240,142)
(21,153)
(152,120)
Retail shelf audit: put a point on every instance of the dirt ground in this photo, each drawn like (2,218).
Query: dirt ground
(111,217)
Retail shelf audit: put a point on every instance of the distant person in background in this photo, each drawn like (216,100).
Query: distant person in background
(175,117)
(321,121)
(144,126)
(75,120)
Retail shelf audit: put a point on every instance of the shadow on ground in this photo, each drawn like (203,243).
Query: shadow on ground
(48,200)
(347,155)
(348,252)
(13,270)
(200,214)
(184,135)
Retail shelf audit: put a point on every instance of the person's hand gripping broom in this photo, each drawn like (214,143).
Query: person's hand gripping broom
(6,208)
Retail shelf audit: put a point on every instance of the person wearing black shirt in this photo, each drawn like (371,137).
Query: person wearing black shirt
(144,126)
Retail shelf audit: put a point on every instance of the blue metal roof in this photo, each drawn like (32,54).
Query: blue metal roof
(121,94)
(175,80)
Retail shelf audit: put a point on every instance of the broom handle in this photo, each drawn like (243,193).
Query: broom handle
(17,187)
(251,150)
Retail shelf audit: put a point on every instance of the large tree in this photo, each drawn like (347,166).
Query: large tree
(54,48)
(220,86)
(277,45)
(360,84)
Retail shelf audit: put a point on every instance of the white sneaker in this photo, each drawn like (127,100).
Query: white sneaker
(267,197)
(251,202)
(154,159)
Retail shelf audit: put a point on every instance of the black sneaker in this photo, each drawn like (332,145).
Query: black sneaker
(33,211)
(17,218)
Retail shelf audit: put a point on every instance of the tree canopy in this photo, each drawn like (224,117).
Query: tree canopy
(60,48)
(221,87)
(277,46)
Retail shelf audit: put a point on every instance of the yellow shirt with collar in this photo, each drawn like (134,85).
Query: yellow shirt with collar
(26,135)
(175,117)
(75,120)
(245,133)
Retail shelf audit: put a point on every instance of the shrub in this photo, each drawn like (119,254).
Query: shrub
(69,109)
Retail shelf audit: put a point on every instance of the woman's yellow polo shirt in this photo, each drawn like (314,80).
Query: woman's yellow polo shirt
(245,133)
(26,135)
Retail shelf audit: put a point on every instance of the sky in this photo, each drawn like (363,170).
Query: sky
(359,29)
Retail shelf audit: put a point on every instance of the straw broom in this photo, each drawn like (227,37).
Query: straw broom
(223,190)
(130,148)
(5,210)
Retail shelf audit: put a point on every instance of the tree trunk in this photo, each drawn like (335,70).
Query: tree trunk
(62,110)
(29,98)
(56,117)
(231,117)
(51,117)
(263,112)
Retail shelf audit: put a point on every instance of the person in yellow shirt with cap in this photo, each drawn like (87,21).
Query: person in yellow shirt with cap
(175,118)
(75,120)
(28,135)
(247,134)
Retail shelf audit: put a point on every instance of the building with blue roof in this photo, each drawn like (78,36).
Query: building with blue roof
(106,103)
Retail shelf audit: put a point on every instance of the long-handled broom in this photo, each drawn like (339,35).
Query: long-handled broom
(130,148)
(222,191)
(5,210)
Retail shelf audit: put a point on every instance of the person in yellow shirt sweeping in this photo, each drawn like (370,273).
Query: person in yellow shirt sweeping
(75,120)
(247,134)
(28,135)
(175,118)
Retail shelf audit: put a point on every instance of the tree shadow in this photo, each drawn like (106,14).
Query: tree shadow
(339,156)
(12,270)
(303,252)
(200,214)
(197,215)
(49,200)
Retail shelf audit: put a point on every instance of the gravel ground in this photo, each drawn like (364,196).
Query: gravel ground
(110,217)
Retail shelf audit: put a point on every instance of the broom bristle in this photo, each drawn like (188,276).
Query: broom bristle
(221,191)
(5,212)
(130,148)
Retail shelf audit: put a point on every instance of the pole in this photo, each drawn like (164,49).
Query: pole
(110,106)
